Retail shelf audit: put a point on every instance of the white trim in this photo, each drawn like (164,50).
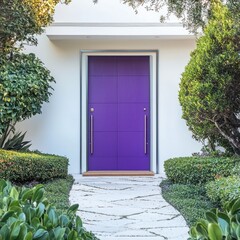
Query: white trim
(114,24)
(71,31)
(153,100)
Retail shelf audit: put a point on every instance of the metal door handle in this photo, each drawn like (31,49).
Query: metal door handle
(145,134)
(91,135)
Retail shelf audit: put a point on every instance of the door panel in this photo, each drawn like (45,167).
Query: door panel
(102,66)
(134,65)
(119,99)
(102,89)
(131,144)
(104,155)
(105,117)
(102,163)
(133,163)
(105,144)
(131,116)
(133,89)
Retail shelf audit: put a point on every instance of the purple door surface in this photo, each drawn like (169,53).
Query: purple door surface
(118,113)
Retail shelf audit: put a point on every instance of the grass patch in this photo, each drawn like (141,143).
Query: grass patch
(190,200)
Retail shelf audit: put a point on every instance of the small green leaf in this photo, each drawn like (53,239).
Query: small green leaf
(29,236)
(211,217)
(14,193)
(73,208)
(15,230)
(40,234)
(236,207)
(214,232)
(7,215)
(72,235)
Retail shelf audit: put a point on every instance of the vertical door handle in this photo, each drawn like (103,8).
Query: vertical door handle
(145,134)
(91,135)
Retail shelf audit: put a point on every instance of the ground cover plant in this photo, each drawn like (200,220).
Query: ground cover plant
(57,192)
(190,200)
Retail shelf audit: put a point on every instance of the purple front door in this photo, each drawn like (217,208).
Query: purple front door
(118,113)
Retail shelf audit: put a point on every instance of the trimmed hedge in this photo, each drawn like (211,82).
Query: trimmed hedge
(197,170)
(28,166)
(224,190)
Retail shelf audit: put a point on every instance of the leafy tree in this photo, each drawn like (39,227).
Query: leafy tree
(210,86)
(25,83)
(24,87)
(20,20)
(193,14)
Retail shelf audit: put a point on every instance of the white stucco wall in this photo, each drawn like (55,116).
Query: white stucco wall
(105,11)
(57,129)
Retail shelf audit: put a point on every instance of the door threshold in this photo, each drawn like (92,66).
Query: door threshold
(117,173)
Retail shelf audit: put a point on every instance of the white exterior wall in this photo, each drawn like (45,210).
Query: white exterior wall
(57,129)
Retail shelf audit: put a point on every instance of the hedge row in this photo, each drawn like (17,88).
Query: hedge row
(197,170)
(24,167)
(224,190)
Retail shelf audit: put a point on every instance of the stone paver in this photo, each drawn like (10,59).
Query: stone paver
(127,208)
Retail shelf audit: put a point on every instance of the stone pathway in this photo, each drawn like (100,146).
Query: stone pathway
(127,208)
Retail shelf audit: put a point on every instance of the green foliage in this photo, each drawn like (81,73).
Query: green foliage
(17,143)
(25,214)
(198,170)
(24,80)
(57,192)
(193,14)
(219,225)
(224,190)
(189,200)
(25,85)
(26,167)
(20,20)
(209,89)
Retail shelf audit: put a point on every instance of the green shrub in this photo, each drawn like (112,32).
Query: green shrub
(223,190)
(219,225)
(24,167)
(210,87)
(189,200)
(25,214)
(197,170)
